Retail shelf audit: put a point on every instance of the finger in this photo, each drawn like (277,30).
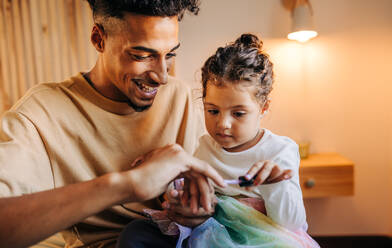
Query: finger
(185,201)
(182,183)
(264,173)
(185,198)
(204,192)
(212,190)
(205,169)
(166,205)
(207,196)
(214,202)
(287,174)
(275,173)
(255,169)
(194,196)
(173,196)
(179,183)
(214,199)
(174,193)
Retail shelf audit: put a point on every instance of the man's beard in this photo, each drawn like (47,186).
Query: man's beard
(138,108)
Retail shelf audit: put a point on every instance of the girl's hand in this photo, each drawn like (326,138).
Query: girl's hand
(266,172)
(181,209)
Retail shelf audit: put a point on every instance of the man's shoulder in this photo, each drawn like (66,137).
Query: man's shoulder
(43,94)
(186,91)
(175,80)
(179,86)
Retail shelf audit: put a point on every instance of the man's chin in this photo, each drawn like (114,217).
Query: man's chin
(138,108)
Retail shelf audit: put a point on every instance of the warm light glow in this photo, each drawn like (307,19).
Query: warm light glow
(302,36)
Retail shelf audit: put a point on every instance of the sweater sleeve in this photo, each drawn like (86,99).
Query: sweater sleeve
(283,200)
(24,164)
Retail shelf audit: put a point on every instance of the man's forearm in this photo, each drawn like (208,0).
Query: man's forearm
(27,219)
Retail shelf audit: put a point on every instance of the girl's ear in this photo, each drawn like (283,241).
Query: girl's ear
(97,37)
(265,106)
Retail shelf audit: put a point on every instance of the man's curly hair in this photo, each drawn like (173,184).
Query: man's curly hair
(240,62)
(116,8)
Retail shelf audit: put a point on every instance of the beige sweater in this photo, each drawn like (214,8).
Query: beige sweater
(63,133)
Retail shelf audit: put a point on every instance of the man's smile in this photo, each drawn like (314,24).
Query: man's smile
(147,91)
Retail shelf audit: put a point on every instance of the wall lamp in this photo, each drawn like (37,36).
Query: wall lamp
(302,28)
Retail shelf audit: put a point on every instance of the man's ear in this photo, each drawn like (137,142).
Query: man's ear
(97,37)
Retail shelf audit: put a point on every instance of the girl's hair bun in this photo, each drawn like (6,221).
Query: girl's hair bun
(238,62)
(249,41)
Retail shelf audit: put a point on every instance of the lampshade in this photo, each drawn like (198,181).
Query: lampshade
(302,27)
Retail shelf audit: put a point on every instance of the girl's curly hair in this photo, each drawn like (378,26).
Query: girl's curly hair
(241,61)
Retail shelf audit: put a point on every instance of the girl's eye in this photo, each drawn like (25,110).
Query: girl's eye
(239,114)
(213,111)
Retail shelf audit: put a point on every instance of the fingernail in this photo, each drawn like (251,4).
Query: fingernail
(179,183)
(286,176)
(247,176)
(174,193)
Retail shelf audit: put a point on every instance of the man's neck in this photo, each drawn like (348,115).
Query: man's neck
(98,80)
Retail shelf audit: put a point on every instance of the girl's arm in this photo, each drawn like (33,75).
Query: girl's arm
(283,200)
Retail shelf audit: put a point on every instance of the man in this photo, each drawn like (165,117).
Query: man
(66,149)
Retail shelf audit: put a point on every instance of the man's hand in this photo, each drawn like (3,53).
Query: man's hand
(149,178)
(153,172)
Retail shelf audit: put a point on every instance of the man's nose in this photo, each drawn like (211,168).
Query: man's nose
(159,73)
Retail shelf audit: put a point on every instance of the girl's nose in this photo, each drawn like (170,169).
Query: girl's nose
(224,122)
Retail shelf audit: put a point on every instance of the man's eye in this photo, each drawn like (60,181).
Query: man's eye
(139,57)
(213,111)
(239,114)
(170,55)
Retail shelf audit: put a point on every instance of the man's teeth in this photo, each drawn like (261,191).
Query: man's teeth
(145,88)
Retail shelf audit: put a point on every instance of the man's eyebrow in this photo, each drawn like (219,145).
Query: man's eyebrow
(144,49)
(175,48)
(150,50)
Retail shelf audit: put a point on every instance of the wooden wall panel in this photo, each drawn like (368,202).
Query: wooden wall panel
(42,41)
(5,73)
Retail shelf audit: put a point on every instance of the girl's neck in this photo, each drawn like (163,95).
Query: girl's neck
(248,144)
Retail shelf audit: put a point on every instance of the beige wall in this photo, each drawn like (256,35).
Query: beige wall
(334,91)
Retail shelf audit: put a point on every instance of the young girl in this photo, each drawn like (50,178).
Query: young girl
(237,80)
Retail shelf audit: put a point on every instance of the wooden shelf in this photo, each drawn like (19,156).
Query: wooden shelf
(326,175)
